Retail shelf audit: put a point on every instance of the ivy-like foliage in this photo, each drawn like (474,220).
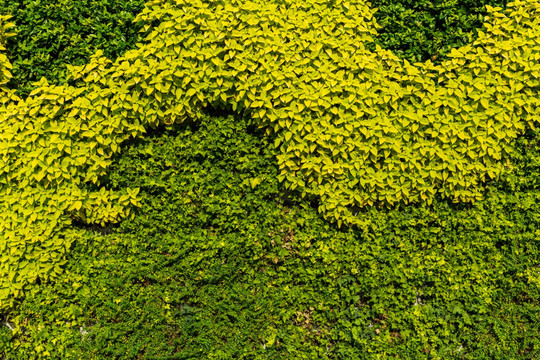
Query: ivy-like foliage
(354,127)
(428,29)
(52,34)
(217,265)
(5,65)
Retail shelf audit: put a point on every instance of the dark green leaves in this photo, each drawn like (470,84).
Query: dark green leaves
(51,35)
(428,30)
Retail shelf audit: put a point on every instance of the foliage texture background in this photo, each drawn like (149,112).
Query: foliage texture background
(424,279)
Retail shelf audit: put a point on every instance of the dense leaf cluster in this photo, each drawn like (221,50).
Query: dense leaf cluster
(5,64)
(355,128)
(220,264)
(428,29)
(53,34)
(219,261)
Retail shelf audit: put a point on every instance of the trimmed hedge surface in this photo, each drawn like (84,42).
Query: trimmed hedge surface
(53,34)
(429,29)
(221,261)
(220,264)
(404,134)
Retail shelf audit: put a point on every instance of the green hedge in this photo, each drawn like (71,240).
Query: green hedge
(52,34)
(221,264)
(421,30)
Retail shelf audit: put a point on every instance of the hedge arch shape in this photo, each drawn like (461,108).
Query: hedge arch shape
(354,127)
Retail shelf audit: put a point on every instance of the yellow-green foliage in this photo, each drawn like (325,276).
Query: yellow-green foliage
(354,127)
(5,65)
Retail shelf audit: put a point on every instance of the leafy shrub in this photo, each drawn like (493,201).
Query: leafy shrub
(5,65)
(214,267)
(52,34)
(356,128)
(218,265)
(428,30)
